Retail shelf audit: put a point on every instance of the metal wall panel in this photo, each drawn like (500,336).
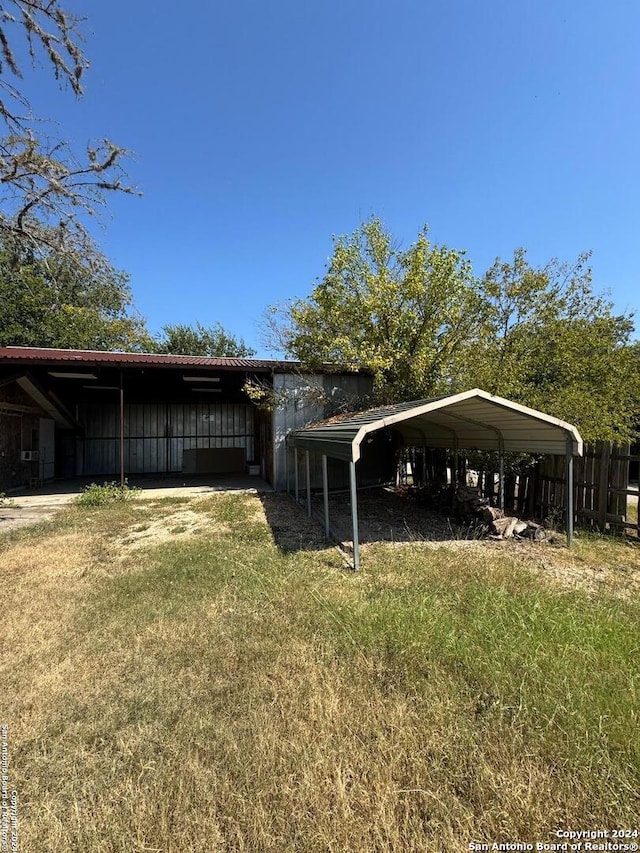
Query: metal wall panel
(301,397)
(157,433)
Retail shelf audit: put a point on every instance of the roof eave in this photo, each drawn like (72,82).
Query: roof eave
(423,408)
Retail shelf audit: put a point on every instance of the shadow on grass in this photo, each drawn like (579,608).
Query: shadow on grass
(383,516)
(292,529)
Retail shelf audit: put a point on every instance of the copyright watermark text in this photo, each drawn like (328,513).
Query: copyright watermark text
(582,840)
(8,799)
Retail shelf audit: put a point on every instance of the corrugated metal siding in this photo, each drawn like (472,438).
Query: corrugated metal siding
(300,407)
(156,434)
(69,357)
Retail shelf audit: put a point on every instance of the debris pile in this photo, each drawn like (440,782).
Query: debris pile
(469,503)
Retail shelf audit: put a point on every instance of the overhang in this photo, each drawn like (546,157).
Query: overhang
(69,359)
(471,420)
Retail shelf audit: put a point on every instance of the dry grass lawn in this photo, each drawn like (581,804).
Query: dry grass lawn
(183,676)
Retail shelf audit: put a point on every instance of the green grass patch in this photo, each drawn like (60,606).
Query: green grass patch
(211,692)
(561,667)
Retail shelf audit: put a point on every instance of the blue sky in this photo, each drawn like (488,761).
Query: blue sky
(261,129)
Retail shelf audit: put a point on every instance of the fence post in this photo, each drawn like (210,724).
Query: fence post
(603,496)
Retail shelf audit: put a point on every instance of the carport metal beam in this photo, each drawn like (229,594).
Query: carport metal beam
(500,473)
(569,491)
(354,516)
(121,428)
(454,473)
(325,495)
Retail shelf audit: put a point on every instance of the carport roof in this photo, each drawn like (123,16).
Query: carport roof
(471,420)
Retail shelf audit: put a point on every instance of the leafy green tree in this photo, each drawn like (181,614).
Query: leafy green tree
(213,341)
(548,341)
(421,322)
(50,300)
(48,188)
(402,314)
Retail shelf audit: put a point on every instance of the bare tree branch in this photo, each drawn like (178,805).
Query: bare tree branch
(48,192)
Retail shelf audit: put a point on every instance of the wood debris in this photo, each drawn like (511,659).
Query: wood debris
(470,503)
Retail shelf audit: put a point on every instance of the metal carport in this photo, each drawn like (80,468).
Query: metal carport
(471,420)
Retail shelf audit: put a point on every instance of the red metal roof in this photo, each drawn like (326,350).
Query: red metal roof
(49,356)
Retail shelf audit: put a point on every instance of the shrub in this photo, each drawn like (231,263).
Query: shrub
(107,493)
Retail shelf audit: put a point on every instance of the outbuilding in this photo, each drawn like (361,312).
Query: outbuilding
(83,413)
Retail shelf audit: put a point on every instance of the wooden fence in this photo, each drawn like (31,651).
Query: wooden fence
(602,500)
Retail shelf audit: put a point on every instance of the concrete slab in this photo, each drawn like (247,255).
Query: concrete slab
(13,516)
(29,506)
(189,485)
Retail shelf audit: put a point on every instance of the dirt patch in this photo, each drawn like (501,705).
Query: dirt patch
(571,570)
(389,515)
(175,526)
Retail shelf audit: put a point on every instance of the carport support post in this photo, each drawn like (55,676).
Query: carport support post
(286,468)
(325,494)
(354,515)
(295,473)
(307,469)
(121,429)
(569,491)
(501,478)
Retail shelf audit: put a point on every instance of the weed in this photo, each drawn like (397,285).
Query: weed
(108,493)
